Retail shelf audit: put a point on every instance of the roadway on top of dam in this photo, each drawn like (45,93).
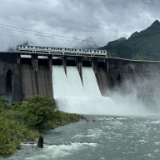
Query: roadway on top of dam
(71,55)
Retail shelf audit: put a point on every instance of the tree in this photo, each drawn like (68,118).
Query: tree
(39,110)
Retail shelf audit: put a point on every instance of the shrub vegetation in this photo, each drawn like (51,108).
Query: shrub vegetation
(22,121)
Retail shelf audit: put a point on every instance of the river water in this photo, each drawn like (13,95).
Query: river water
(108,137)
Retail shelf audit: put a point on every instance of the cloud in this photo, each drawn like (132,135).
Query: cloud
(103,20)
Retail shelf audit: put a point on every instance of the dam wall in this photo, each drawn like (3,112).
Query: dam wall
(10,81)
(25,77)
(103,79)
(121,70)
(141,77)
(19,80)
(36,83)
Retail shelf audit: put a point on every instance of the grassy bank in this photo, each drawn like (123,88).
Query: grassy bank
(21,122)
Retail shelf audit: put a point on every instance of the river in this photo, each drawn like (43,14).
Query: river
(106,138)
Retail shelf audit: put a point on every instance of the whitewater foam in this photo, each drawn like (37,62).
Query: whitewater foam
(55,151)
(90,83)
(71,96)
(60,82)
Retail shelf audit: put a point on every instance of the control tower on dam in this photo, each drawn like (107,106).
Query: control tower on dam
(28,73)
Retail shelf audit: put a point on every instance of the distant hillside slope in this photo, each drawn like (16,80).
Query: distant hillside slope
(122,39)
(144,45)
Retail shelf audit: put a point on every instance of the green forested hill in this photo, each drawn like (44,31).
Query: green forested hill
(144,45)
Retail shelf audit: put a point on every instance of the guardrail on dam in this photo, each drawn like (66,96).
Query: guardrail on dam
(22,77)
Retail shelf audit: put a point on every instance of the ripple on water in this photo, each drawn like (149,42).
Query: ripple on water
(55,151)
(91,133)
(133,138)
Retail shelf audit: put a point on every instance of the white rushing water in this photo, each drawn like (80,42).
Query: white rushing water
(70,85)
(60,87)
(90,83)
(74,82)
(71,96)
(74,97)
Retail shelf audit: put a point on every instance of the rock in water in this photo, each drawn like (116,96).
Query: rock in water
(40,142)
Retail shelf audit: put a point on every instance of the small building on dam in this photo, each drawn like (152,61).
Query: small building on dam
(28,71)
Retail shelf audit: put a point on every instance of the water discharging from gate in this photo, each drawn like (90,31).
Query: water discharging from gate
(71,96)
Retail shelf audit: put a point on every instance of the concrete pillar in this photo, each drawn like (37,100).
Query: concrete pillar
(13,87)
(105,63)
(34,60)
(50,63)
(95,69)
(79,66)
(94,65)
(64,64)
(107,67)
(18,59)
(19,81)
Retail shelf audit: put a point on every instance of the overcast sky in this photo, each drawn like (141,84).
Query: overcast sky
(73,20)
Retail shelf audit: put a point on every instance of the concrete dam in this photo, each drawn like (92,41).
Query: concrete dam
(81,76)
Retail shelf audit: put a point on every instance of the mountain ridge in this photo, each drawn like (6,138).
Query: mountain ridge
(143,45)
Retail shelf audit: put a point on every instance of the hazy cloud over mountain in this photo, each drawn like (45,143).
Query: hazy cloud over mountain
(73,20)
